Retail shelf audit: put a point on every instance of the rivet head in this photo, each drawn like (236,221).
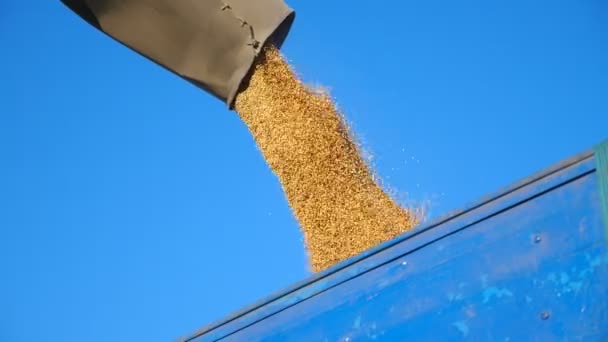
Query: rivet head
(537,239)
(545,315)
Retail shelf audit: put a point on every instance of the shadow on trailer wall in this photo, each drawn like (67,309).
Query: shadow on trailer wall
(528,263)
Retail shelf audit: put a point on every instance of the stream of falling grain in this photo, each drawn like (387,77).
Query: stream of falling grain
(342,211)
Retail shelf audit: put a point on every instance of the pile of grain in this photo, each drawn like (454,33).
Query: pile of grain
(342,211)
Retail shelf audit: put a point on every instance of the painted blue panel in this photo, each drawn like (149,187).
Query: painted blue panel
(528,262)
(493,274)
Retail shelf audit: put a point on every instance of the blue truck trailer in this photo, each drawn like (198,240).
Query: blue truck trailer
(529,262)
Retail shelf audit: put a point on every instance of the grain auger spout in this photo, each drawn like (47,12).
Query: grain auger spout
(211,43)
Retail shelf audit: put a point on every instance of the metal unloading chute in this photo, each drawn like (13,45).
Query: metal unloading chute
(210,43)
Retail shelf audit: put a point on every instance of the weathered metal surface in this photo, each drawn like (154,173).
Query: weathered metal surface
(601,156)
(530,263)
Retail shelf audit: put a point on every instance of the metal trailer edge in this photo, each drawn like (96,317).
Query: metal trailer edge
(529,262)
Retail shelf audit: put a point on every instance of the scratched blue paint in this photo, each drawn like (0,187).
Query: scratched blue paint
(575,286)
(454,296)
(462,327)
(490,280)
(495,292)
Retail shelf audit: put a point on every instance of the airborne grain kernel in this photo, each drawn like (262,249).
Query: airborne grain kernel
(342,211)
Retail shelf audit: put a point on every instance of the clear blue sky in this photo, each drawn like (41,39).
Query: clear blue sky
(134,207)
